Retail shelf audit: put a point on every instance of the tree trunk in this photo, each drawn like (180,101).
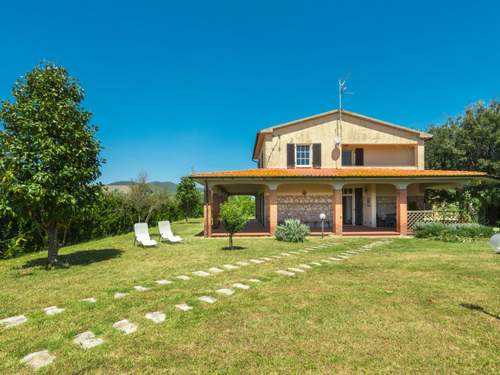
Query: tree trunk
(53,245)
(231,241)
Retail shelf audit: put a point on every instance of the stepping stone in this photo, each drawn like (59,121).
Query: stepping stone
(38,359)
(125,326)
(325,261)
(335,259)
(207,299)
(230,267)
(183,307)
(89,300)
(344,256)
(302,251)
(240,286)
(13,321)
(315,263)
(294,269)
(183,277)
(140,288)
(87,340)
(215,270)
(267,258)
(157,317)
(225,291)
(53,310)
(256,261)
(120,295)
(285,273)
(201,273)
(163,282)
(286,254)
(276,256)
(242,263)
(306,266)
(253,280)
(294,252)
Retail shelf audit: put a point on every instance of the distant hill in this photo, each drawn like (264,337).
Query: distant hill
(159,186)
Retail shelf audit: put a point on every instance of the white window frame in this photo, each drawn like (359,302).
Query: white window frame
(310,156)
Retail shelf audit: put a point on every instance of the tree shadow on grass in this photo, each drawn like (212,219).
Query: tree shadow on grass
(78,258)
(474,307)
(228,248)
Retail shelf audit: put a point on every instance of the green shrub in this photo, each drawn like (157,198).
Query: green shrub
(452,232)
(292,231)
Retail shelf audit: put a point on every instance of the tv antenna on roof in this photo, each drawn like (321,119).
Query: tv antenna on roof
(342,91)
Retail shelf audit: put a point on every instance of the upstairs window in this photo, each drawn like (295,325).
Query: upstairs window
(302,155)
(346,157)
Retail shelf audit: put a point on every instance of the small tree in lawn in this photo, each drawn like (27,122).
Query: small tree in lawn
(142,198)
(187,196)
(233,218)
(49,156)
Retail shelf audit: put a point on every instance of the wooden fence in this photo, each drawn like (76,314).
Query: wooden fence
(445,217)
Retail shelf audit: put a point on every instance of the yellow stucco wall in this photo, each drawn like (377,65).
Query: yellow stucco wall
(385,146)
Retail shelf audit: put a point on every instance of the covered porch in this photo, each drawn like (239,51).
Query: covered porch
(351,204)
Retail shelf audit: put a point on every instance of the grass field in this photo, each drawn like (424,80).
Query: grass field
(408,306)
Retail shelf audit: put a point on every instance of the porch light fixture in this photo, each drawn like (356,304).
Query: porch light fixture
(322,217)
(495,242)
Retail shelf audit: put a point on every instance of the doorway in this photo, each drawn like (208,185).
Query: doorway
(358,206)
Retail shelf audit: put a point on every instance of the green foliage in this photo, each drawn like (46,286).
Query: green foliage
(233,218)
(49,156)
(188,197)
(469,142)
(246,202)
(453,232)
(292,231)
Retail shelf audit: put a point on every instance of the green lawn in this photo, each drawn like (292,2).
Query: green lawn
(408,306)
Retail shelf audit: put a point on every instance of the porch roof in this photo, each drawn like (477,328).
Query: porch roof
(337,172)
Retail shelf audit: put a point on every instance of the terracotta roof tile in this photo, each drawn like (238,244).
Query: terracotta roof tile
(334,172)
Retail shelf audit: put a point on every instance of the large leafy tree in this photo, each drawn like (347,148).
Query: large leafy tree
(188,197)
(470,142)
(49,156)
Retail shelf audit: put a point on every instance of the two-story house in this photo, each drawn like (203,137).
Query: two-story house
(362,173)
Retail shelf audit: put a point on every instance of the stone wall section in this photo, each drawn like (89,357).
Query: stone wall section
(306,208)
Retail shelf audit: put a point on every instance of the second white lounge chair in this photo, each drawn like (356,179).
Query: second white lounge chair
(166,233)
(142,235)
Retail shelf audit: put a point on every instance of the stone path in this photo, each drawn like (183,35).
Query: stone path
(215,270)
(120,295)
(207,299)
(125,326)
(201,273)
(183,307)
(163,282)
(13,321)
(53,310)
(156,317)
(225,291)
(240,286)
(38,359)
(87,340)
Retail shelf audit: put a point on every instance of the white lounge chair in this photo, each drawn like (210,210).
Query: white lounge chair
(142,235)
(166,233)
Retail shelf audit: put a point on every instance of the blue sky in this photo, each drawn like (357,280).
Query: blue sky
(176,86)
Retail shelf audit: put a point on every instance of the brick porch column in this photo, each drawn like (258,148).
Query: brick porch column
(402,209)
(337,209)
(273,208)
(207,212)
